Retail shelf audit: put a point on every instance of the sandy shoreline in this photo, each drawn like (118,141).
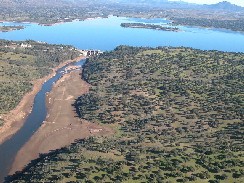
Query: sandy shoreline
(62,126)
(15,119)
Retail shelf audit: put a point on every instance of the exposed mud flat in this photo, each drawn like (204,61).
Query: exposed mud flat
(62,126)
(15,119)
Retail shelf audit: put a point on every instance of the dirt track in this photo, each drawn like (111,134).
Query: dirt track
(62,126)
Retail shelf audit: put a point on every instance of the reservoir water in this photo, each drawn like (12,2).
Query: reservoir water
(104,34)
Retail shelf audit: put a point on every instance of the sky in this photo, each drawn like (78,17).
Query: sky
(237,2)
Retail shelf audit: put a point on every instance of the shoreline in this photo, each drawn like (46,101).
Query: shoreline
(50,24)
(172,23)
(15,118)
(61,126)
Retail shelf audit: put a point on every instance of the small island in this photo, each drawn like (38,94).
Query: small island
(11,28)
(149,26)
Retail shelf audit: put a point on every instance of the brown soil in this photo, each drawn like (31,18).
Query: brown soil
(15,119)
(61,127)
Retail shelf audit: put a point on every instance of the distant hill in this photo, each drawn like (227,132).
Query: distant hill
(225,5)
(158,3)
(26,2)
(54,3)
(148,3)
(50,3)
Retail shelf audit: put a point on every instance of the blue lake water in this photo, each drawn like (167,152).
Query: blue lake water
(106,34)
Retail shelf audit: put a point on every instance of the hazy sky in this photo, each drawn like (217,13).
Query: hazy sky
(237,2)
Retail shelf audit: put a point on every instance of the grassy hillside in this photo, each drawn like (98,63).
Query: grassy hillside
(23,62)
(177,113)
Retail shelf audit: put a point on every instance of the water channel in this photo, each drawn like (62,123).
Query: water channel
(9,148)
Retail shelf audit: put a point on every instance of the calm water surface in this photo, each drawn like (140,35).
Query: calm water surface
(106,34)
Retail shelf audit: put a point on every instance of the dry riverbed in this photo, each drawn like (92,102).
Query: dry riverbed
(62,126)
(15,119)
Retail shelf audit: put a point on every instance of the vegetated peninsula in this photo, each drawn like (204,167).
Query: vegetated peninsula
(21,63)
(11,28)
(149,26)
(177,112)
(234,25)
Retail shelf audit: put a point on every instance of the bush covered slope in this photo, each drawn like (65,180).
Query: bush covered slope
(23,62)
(178,113)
